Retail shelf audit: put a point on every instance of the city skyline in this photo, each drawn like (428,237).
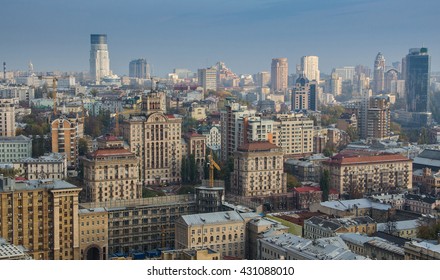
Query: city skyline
(195,34)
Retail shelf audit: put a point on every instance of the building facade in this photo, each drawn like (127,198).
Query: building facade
(49,166)
(65,132)
(417,75)
(155,138)
(358,175)
(310,67)
(15,148)
(93,234)
(279,75)
(208,78)
(258,170)
(379,74)
(139,68)
(111,174)
(99,57)
(224,232)
(304,95)
(42,216)
(7,117)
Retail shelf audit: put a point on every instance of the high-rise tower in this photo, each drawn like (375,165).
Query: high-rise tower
(279,74)
(139,68)
(418,64)
(310,67)
(99,58)
(379,74)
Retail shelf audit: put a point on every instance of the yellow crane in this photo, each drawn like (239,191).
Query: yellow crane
(212,164)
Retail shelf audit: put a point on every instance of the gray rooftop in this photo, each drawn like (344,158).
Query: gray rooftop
(14,139)
(332,248)
(361,203)
(400,225)
(34,184)
(216,218)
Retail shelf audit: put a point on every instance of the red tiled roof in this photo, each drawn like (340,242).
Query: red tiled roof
(347,160)
(20,179)
(258,146)
(307,189)
(111,152)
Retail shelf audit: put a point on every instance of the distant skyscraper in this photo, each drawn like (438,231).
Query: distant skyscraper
(310,67)
(207,78)
(262,79)
(279,74)
(99,58)
(139,68)
(379,74)
(417,80)
(345,73)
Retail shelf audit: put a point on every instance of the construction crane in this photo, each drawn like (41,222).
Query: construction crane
(117,122)
(212,164)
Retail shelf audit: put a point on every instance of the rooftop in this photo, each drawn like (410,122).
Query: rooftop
(352,159)
(100,153)
(258,147)
(346,205)
(215,218)
(52,184)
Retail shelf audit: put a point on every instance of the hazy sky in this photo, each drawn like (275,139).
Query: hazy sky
(245,34)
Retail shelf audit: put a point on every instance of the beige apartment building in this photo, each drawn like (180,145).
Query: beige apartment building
(279,74)
(66,132)
(111,173)
(7,117)
(93,234)
(359,175)
(224,232)
(49,166)
(155,138)
(42,216)
(258,170)
(294,134)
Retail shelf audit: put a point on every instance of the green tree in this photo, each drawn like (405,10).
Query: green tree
(292,182)
(324,183)
(353,133)
(423,138)
(82,147)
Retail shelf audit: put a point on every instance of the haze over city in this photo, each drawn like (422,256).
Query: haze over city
(193,34)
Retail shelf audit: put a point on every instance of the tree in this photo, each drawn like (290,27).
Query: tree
(324,182)
(292,182)
(353,133)
(428,229)
(82,147)
(423,138)
(94,92)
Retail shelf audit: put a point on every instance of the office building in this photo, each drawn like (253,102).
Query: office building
(378,118)
(304,95)
(418,67)
(139,68)
(346,73)
(335,84)
(49,166)
(359,175)
(15,148)
(42,216)
(93,233)
(258,170)
(279,75)
(207,78)
(310,67)
(262,79)
(7,117)
(142,225)
(99,57)
(224,232)
(155,137)
(229,119)
(66,131)
(379,74)
(111,172)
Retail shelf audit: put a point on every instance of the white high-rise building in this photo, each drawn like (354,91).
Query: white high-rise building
(310,67)
(99,57)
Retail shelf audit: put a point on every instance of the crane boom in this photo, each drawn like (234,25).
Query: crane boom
(212,165)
